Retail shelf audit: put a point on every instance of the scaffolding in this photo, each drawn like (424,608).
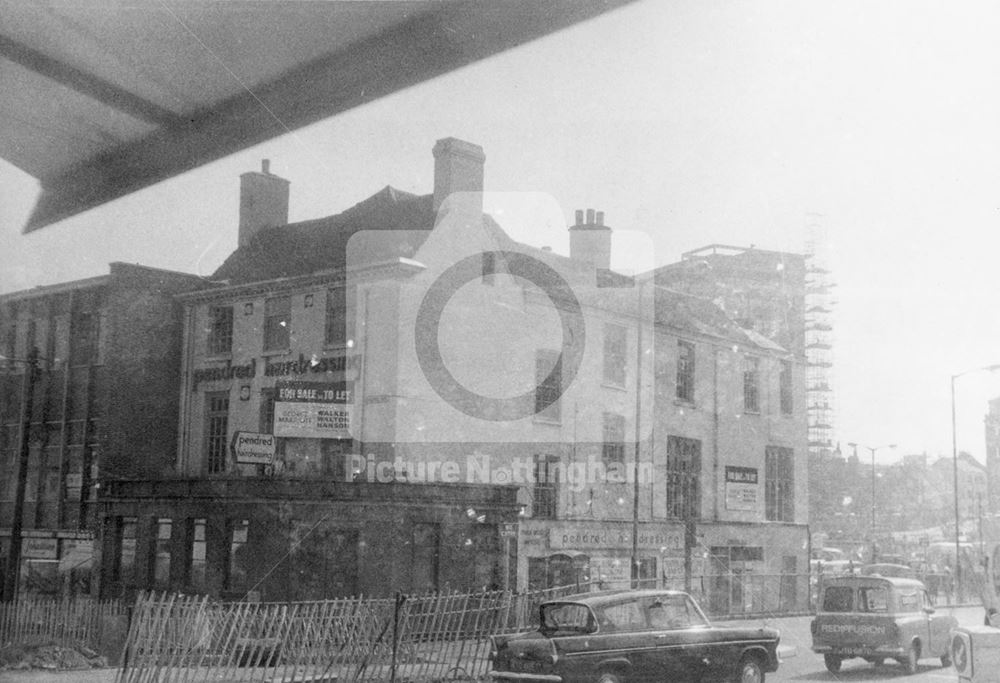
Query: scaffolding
(819,340)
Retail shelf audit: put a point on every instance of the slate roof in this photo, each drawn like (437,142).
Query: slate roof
(697,315)
(320,244)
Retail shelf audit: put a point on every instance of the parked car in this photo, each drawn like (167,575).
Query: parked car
(901,571)
(878,618)
(633,636)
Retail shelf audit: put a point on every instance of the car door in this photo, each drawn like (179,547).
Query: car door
(679,637)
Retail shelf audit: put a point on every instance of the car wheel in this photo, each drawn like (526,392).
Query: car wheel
(832,663)
(877,661)
(609,677)
(749,670)
(910,663)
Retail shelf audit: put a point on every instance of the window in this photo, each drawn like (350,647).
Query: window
(339,318)
(236,566)
(216,430)
(220,330)
(785,387)
(545,487)
(277,323)
(85,332)
(779,493)
(685,371)
(613,449)
(196,554)
(683,477)
(751,384)
(125,565)
(160,553)
(614,355)
(548,385)
(838,599)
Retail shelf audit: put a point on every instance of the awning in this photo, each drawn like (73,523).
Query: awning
(102,99)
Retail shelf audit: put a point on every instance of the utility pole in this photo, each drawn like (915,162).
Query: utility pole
(12,578)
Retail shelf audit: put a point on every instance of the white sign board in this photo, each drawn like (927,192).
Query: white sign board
(741,488)
(253,448)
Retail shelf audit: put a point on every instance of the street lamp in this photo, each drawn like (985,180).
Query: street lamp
(954,455)
(872,449)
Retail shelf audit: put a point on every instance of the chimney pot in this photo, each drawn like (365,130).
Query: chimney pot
(579,216)
(265,166)
(600,218)
(590,216)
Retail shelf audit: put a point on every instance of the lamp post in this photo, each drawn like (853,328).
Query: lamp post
(954,455)
(872,449)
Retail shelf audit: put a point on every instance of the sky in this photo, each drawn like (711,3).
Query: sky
(688,123)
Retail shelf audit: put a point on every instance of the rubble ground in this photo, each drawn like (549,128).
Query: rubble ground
(46,653)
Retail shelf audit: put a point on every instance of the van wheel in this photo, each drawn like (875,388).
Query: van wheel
(609,677)
(832,663)
(910,663)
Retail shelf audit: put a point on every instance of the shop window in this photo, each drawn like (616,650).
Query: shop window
(645,572)
(238,560)
(425,555)
(685,371)
(220,330)
(548,381)
(545,487)
(329,556)
(785,388)
(613,433)
(196,554)
(683,477)
(159,558)
(751,384)
(216,430)
(485,558)
(614,354)
(557,571)
(277,323)
(779,484)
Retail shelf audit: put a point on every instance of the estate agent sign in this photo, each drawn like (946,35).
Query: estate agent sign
(313,410)
(741,488)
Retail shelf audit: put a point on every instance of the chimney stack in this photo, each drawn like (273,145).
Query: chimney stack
(590,241)
(458,167)
(263,202)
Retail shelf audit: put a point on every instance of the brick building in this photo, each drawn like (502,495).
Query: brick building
(103,406)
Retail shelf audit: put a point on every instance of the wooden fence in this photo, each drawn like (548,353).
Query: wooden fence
(100,626)
(411,638)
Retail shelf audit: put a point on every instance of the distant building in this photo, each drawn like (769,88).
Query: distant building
(104,406)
